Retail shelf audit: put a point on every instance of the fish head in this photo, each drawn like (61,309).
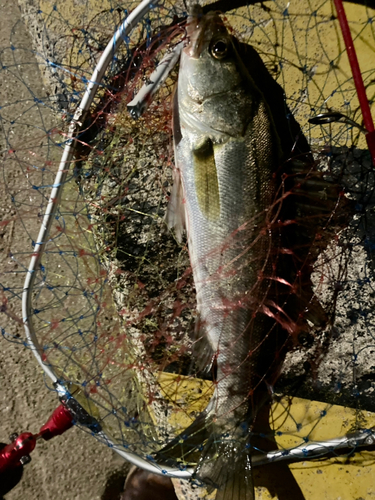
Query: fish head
(209,62)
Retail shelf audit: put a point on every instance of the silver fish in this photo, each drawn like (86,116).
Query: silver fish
(226,153)
(228,157)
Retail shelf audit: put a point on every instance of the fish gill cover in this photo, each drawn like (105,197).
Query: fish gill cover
(114,300)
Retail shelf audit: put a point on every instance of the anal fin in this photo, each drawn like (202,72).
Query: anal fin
(225,464)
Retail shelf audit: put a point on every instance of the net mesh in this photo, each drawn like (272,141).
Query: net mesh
(114,305)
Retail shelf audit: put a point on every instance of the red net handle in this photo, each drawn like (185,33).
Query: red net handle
(357,76)
(18,452)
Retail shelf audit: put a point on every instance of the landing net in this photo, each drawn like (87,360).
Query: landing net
(113,305)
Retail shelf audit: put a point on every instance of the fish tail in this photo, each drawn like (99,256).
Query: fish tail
(224,461)
(225,465)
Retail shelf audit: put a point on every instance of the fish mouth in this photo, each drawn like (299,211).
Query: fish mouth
(200,29)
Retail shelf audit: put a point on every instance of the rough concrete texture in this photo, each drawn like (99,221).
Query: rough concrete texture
(73,466)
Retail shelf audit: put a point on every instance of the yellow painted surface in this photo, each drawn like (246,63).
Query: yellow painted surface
(301,39)
(294,421)
(337,478)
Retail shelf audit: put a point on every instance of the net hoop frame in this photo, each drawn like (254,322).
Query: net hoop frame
(124,30)
(310,451)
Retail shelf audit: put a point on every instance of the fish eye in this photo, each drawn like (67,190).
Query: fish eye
(219,48)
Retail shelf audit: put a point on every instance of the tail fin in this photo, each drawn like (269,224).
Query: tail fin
(225,464)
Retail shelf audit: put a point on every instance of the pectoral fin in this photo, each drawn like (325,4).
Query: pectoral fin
(225,465)
(206,181)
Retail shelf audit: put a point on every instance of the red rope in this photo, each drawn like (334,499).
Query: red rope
(358,81)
